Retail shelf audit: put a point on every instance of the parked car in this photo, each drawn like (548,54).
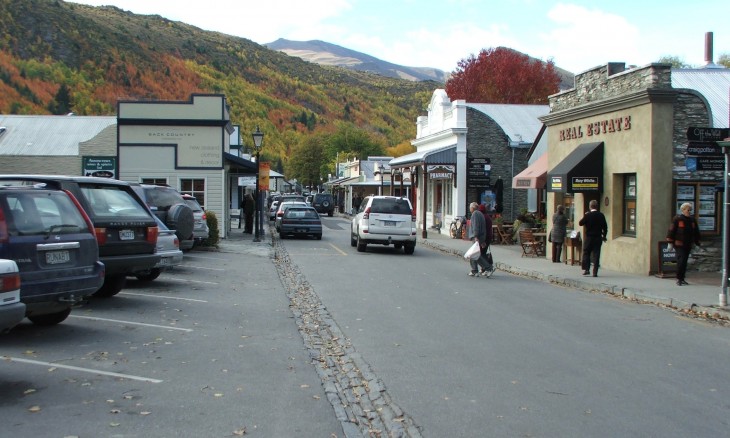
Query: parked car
(384,220)
(168,205)
(272,210)
(200,230)
(324,203)
(282,208)
(168,248)
(300,221)
(52,240)
(125,228)
(12,310)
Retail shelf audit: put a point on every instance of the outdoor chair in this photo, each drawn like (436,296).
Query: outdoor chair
(505,237)
(531,247)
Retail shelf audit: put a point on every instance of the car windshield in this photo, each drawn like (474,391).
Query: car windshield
(301,213)
(193,204)
(42,213)
(161,197)
(109,201)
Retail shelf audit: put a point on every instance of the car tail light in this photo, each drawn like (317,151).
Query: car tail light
(9,282)
(177,242)
(413,215)
(280,213)
(83,212)
(3,228)
(204,216)
(100,234)
(366,213)
(152,233)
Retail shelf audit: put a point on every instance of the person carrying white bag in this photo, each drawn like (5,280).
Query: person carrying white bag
(479,234)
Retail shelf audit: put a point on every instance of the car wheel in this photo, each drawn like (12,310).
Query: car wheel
(282,236)
(180,218)
(409,248)
(397,246)
(50,318)
(112,285)
(319,237)
(148,275)
(361,245)
(353,239)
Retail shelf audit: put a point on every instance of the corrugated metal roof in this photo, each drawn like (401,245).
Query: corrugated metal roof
(443,155)
(519,122)
(713,84)
(49,135)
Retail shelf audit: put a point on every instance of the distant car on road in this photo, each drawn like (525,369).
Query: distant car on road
(324,203)
(384,220)
(282,208)
(300,221)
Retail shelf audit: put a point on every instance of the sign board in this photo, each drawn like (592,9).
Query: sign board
(556,183)
(478,171)
(667,260)
(699,133)
(704,163)
(264,171)
(585,183)
(104,167)
(704,149)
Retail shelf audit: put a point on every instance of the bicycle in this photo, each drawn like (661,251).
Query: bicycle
(456,228)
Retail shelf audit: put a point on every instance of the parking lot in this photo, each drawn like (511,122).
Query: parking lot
(207,349)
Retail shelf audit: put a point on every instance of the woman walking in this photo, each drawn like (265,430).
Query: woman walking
(557,234)
(683,232)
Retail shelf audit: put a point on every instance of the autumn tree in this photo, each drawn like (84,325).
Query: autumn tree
(503,75)
(306,161)
(676,61)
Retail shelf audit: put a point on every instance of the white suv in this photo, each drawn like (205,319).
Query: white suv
(384,220)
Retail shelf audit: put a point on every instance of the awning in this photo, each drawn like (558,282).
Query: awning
(580,171)
(443,155)
(534,176)
(342,181)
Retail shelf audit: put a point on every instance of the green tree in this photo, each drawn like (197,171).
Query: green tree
(676,61)
(61,103)
(307,160)
(353,141)
(724,60)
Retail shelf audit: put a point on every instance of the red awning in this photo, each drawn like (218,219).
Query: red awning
(534,176)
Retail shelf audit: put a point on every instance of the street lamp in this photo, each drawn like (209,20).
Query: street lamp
(258,138)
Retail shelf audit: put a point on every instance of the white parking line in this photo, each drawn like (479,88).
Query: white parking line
(203,267)
(190,281)
(131,323)
(163,296)
(190,256)
(85,370)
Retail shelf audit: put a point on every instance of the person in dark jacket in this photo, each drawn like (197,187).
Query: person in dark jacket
(595,235)
(683,232)
(249,207)
(478,231)
(557,234)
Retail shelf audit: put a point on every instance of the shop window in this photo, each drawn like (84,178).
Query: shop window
(195,187)
(569,211)
(703,198)
(154,181)
(629,207)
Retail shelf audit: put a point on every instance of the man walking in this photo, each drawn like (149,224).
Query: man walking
(683,232)
(478,233)
(596,231)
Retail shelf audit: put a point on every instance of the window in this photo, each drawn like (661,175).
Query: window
(194,187)
(629,207)
(154,181)
(703,198)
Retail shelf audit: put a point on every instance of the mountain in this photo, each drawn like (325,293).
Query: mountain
(56,54)
(324,53)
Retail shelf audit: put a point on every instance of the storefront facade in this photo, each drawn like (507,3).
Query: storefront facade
(620,137)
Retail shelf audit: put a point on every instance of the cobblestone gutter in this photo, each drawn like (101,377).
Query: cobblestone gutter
(358,396)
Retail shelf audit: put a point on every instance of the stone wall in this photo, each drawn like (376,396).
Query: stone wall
(485,138)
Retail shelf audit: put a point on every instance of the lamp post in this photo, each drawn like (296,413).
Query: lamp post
(258,138)
(725,145)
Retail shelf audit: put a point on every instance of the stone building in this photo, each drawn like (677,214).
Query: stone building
(469,152)
(621,137)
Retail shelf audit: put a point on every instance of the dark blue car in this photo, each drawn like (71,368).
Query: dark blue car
(52,240)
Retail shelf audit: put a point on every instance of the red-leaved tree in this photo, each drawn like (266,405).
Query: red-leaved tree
(503,75)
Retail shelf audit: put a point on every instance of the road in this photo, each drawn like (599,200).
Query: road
(311,338)
(507,356)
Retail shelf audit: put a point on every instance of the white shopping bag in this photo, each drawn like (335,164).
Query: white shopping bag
(473,252)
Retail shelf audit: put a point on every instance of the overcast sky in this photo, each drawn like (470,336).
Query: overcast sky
(424,33)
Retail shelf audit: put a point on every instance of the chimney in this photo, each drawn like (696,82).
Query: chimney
(708,52)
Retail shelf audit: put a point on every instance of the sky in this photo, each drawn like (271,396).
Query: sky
(576,36)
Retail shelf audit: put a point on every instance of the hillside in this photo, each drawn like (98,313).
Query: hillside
(323,53)
(105,54)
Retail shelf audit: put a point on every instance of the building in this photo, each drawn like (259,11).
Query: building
(465,153)
(621,137)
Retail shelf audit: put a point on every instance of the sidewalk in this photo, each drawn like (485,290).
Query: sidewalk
(701,295)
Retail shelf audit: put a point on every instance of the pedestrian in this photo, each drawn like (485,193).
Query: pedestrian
(479,232)
(248,210)
(683,232)
(595,235)
(557,234)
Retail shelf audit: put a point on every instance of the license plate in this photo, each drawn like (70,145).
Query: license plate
(388,223)
(164,261)
(302,230)
(56,257)
(126,235)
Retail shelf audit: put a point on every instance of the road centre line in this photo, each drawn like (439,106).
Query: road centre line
(85,370)
(338,249)
(163,296)
(94,318)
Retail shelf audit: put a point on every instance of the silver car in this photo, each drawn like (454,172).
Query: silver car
(168,247)
(12,310)
(201,230)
